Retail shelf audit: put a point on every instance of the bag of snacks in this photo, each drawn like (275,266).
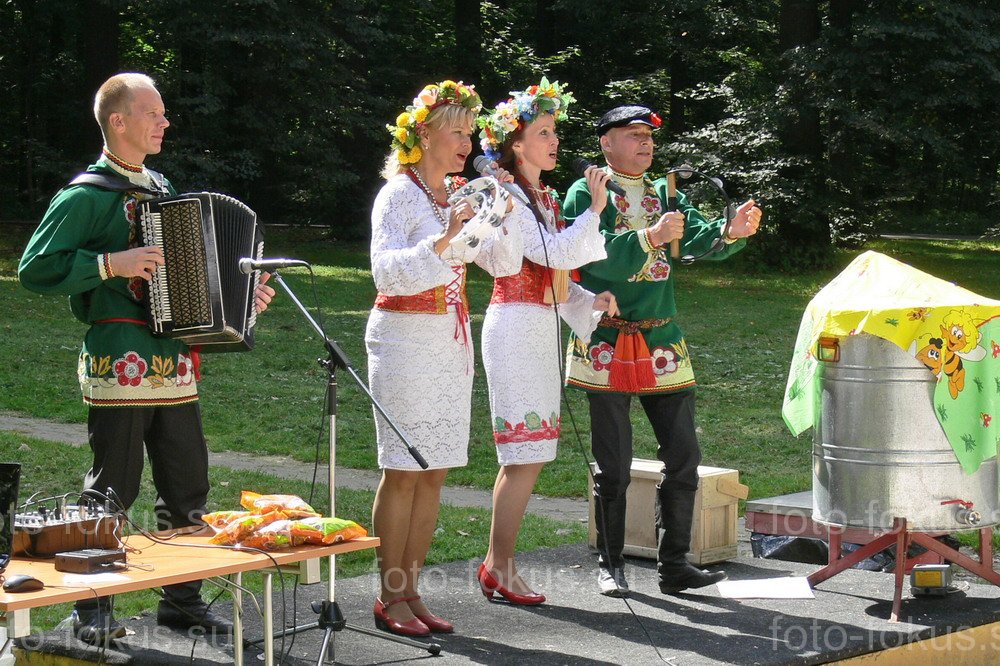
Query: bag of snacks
(324,531)
(241,528)
(276,536)
(292,506)
(219,519)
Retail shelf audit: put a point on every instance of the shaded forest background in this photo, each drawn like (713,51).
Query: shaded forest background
(843,118)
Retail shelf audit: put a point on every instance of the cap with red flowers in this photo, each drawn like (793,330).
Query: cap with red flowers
(620,116)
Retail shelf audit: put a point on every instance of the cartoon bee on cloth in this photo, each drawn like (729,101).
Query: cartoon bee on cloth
(960,342)
(930,355)
(944,356)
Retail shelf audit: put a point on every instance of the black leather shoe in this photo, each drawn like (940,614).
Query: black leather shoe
(685,576)
(97,626)
(191,616)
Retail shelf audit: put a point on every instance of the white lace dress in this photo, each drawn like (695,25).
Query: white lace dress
(522,346)
(420,366)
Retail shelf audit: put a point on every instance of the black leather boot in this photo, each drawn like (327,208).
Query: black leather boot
(183,608)
(94,622)
(610,517)
(674,516)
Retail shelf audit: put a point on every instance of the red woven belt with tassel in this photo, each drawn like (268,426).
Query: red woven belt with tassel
(632,365)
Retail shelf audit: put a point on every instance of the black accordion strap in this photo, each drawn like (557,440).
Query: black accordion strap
(116,183)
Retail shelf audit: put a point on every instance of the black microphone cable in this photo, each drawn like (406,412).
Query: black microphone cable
(111,498)
(599,515)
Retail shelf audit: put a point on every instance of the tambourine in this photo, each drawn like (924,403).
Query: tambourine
(488,201)
(697,191)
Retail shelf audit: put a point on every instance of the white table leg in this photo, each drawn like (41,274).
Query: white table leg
(268,621)
(238,620)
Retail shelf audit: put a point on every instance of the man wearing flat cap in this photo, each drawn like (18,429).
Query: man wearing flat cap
(642,351)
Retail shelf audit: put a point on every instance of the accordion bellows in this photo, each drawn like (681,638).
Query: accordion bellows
(199,295)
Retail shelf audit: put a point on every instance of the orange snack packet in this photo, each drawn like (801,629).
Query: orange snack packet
(324,531)
(219,519)
(241,528)
(275,536)
(292,506)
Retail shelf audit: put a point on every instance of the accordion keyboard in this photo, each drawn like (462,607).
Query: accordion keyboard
(152,236)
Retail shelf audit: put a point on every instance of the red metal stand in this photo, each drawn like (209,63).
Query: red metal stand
(801,525)
(902,539)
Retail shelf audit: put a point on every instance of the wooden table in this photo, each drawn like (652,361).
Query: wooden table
(183,559)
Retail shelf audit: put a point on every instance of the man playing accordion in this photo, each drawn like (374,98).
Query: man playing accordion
(140,389)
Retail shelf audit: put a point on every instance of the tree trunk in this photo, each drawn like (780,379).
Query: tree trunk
(842,145)
(799,26)
(545,25)
(678,73)
(468,40)
(99,34)
(804,226)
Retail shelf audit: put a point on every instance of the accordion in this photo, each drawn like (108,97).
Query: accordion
(199,295)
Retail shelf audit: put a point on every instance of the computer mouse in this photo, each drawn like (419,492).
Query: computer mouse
(22,583)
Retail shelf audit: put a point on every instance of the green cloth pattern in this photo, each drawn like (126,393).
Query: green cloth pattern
(121,363)
(641,278)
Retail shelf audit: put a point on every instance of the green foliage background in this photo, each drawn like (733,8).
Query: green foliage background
(841,117)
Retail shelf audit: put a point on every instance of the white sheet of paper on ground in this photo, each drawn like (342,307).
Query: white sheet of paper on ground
(787,587)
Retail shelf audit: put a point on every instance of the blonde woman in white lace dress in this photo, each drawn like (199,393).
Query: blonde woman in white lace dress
(420,351)
(522,346)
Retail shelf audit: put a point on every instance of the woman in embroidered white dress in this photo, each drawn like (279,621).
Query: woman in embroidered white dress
(420,353)
(522,346)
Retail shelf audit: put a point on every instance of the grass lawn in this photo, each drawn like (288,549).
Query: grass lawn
(740,325)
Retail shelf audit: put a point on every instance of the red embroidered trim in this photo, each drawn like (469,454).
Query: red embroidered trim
(128,166)
(520,433)
(604,388)
(133,402)
(533,281)
(528,286)
(426,302)
(432,301)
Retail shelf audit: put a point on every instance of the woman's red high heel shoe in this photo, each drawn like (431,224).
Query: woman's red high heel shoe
(489,584)
(412,627)
(437,625)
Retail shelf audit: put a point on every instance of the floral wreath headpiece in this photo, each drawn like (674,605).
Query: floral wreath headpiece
(404,133)
(523,105)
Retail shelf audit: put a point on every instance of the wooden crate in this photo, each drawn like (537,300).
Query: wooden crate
(713,532)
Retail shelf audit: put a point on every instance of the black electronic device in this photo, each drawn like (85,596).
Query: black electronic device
(10,479)
(90,560)
(22,583)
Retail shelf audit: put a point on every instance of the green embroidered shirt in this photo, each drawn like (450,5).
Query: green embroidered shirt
(121,363)
(640,276)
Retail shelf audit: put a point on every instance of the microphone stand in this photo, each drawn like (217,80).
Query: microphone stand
(331,618)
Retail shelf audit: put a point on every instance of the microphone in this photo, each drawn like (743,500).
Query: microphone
(580,165)
(248,265)
(484,165)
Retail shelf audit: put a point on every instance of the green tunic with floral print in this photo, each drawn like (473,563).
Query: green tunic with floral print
(121,364)
(641,276)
